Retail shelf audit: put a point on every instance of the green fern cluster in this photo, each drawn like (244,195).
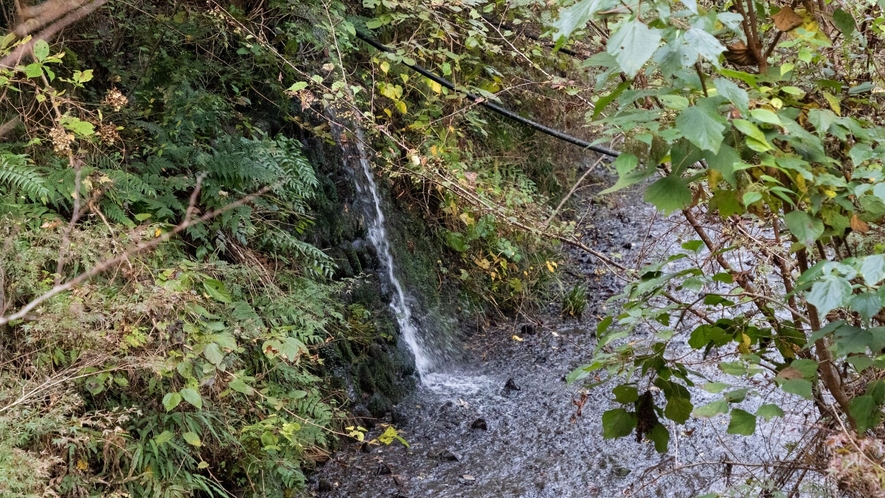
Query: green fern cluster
(18,176)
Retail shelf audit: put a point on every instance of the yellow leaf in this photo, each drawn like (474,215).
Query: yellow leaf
(157,233)
(551,265)
(517,338)
(385,66)
(400,106)
(436,87)
(835,105)
(82,464)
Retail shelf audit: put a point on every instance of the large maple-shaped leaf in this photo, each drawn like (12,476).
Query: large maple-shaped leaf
(702,128)
(633,45)
(577,15)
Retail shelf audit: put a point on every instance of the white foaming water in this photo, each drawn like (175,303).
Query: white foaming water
(378,237)
(444,383)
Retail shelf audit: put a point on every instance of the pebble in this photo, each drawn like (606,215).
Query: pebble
(480,423)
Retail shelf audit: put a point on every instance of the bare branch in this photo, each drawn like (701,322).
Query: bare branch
(139,248)
(16,55)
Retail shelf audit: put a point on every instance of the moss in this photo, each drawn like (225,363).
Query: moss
(379,405)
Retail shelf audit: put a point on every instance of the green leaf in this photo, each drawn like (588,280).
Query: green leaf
(625,394)
(192,396)
(216,290)
(849,339)
(603,102)
(678,409)
(240,386)
(742,423)
(79,127)
(735,94)
(769,411)
(866,304)
(41,50)
(660,436)
(873,269)
(750,130)
(163,437)
(829,293)
(668,194)
(806,228)
(618,423)
(631,178)
(693,245)
(633,45)
(766,116)
(456,241)
(845,23)
(865,412)
(192,439)
(712,409)
(701,127)
(715,387)
(822,119)
(751,197)
(576,16)
(737,395)
(801,387)
(213,353)
(298,85)
(34,70)
(808,368)
(706,44)
(171,400)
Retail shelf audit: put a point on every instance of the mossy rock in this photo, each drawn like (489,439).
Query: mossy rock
(379,405)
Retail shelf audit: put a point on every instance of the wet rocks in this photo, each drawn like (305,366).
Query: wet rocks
(398,418)
(324,486)
(364,416)
(480,424)
(446,455)
(510,386)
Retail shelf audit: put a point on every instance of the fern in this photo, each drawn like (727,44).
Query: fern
(16,173)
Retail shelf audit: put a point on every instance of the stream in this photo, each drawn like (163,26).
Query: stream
(500,421)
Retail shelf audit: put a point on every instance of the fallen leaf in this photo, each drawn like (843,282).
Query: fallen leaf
(787,20)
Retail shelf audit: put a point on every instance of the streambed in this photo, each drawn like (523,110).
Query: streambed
(502,421)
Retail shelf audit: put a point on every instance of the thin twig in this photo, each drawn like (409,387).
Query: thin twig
(144,246)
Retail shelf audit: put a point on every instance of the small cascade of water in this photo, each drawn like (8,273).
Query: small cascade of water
(366,187)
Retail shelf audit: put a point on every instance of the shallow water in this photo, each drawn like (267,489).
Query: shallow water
(542,437)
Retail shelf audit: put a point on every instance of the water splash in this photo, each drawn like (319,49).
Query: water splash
(366,187)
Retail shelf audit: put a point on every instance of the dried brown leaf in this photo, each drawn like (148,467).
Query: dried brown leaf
(786,19)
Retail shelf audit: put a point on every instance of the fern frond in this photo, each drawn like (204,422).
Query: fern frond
(16,173)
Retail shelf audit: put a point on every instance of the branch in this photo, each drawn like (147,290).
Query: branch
(144,246)
(16,55)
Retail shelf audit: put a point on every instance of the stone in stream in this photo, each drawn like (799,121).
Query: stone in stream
(324,486)
(364,416)
(480,423)
(448,455)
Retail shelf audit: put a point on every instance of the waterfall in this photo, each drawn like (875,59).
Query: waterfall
(367,189)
